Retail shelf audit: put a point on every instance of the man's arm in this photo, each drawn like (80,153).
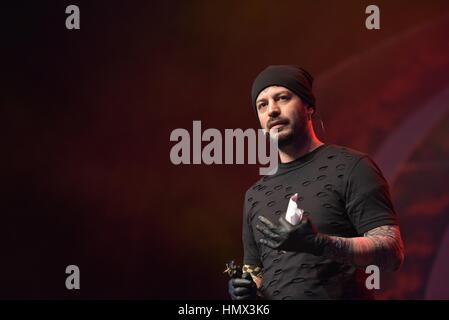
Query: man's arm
(381,246)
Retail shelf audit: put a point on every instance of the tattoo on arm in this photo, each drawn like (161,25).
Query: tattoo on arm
(381,246)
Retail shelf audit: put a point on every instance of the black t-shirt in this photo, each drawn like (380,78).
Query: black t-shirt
(343,193)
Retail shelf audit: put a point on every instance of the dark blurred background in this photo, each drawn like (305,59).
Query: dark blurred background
(87,115)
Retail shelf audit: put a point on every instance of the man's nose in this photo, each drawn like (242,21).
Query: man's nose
(273,109)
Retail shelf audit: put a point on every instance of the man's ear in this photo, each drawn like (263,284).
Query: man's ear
(310,111)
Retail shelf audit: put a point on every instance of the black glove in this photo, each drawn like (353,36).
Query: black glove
(243,288)
(298,238)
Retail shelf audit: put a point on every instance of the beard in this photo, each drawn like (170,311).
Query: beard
(291,133)
(285,136)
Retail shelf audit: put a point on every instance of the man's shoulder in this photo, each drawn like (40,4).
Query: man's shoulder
(345,151)
(354,163)
(344,157)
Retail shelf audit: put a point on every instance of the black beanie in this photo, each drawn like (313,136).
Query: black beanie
(294,78)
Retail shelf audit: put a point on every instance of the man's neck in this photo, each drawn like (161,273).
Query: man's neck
(298,149)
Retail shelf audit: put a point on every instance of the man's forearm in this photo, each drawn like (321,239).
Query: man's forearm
(380,246)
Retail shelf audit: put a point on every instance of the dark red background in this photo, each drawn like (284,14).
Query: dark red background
(87,117)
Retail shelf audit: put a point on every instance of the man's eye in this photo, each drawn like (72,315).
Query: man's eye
(261,105)
(284,97)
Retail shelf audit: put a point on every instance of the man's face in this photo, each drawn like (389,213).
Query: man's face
(281,110)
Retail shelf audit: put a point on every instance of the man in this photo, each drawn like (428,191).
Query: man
(348,220)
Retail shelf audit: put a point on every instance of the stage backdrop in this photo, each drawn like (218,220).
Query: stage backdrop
(87,116)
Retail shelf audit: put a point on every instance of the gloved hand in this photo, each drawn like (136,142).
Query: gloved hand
(298,238)
(243,288)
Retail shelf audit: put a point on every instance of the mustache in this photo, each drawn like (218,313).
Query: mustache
(276,120)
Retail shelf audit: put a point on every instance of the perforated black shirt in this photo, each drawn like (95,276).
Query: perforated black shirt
(343,193)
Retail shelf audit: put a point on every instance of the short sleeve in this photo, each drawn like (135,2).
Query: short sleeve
(250,248)
(368,200)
